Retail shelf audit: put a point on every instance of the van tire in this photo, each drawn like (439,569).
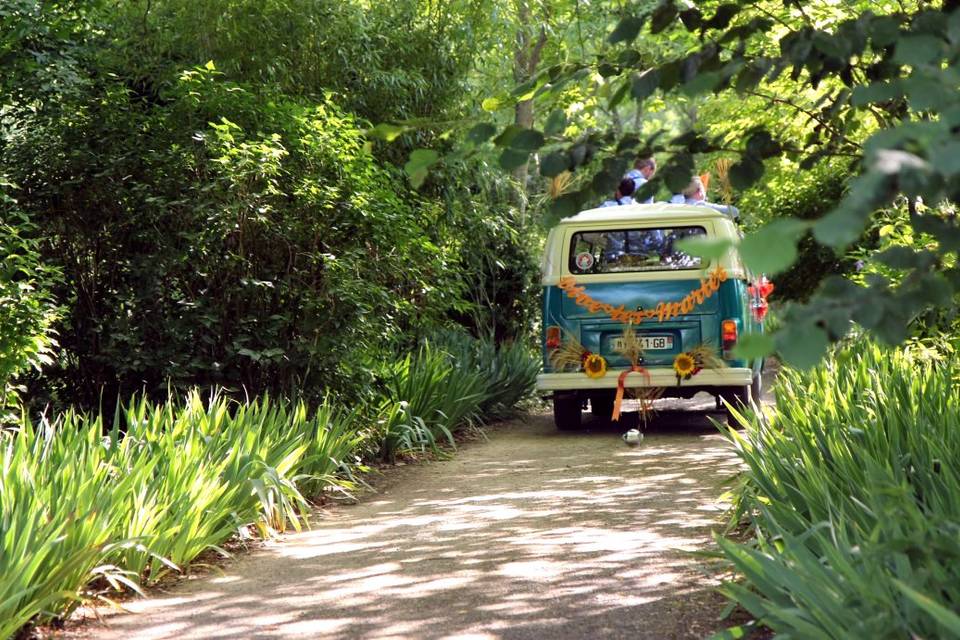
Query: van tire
(601,404)
(566,411)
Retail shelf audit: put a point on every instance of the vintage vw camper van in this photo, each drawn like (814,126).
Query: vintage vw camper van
(617,273)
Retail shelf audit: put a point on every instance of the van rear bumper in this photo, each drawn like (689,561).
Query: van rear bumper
(659,377)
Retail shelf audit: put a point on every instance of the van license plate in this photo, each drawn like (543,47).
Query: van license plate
(647,343)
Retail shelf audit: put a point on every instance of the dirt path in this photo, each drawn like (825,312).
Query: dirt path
(533,534)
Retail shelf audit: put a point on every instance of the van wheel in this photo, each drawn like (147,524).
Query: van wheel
(566,411)
(601,404)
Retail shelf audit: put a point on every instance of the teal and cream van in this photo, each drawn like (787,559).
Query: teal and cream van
(625,307)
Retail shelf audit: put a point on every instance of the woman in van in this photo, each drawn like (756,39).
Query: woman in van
(696,194)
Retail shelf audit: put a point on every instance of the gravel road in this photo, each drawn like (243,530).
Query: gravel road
(530,534)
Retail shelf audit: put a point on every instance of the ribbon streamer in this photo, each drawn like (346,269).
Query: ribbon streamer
(621,383)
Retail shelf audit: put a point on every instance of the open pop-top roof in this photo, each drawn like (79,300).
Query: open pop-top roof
(642,212)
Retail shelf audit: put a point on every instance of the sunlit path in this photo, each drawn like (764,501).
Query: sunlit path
(533,534)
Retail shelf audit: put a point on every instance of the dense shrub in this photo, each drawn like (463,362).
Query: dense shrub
(27,311)
(128,503)
(401,60)
(855,494)
(167,482)
(497,255)
(226,237)
(451,382)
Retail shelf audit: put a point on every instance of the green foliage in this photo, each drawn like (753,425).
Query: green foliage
(27,312)
(855,499)
(264,249)
(497,254)
(428,399)
(452,382)
(806,195)
(166,482)
(509,371)
(403,59)
(767,82)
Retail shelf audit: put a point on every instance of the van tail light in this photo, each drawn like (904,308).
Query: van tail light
(728,333)
(553,338)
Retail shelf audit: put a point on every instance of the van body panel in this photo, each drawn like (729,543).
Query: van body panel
(643,290)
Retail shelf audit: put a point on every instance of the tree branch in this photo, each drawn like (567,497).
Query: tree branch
(810,114)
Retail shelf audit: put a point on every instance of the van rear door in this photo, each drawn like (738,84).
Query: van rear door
(635,269)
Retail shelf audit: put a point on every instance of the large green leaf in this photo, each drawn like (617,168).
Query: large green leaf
(480,133)
(643,84)
(773,247)
(419,165)
(556,122)
(801,344)
(554,164)
(627,29)
(511,159)
(754,345)
(528,141)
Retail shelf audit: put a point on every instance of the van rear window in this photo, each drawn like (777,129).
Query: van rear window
(625,250)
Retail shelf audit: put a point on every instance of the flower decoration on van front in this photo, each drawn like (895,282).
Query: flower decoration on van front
(594,365)
(662,311)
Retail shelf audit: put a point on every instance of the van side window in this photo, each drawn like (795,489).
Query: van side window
(626,250)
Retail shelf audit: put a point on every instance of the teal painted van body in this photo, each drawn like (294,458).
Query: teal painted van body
(597,331)
(631,257)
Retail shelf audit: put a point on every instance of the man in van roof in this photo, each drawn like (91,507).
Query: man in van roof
(622,195)
(696,194)
(643,170)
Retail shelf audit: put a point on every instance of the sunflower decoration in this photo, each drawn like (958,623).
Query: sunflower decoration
(594,365)
(690,363)
(684,366)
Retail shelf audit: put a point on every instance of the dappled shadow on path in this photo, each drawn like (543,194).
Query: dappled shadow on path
(533,534)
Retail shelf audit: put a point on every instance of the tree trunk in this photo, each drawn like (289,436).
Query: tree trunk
(526,58)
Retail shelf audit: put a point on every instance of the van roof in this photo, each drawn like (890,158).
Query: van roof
(644,212)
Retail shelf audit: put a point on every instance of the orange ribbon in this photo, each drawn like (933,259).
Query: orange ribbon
(621,383)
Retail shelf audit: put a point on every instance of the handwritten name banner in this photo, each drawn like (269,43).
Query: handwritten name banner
(663,310)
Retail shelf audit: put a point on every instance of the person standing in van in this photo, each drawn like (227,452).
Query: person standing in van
(643,170)
(622,195)
(696,194)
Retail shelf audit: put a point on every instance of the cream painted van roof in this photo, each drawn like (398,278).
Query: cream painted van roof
(554,264)
(623,213)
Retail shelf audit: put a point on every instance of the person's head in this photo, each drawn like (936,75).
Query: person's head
(695,190)
(626,188)
(646,166)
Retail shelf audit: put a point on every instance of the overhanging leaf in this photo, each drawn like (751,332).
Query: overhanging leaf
(627,29)
(386,131)
(419,164)
(556,122)
(746,172)
(527,141)
(554,164)
(707,248)
(801,344)
(481,133)
(754,345)
(643,84)
(773,247)
(512,158)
